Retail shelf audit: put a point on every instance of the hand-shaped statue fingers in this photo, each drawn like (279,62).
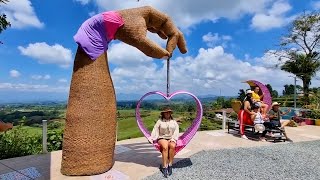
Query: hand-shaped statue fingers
(164,24)
(138,21)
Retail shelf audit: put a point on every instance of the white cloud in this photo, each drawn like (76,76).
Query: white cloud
(62,80)
(46,54)
(92,13)
(46,77)
(215,39)
(209,71)
(273,18)
(21,14)
(190,13)
(39,77)
(14,73)
(33,87)
(83,2)
(315,5)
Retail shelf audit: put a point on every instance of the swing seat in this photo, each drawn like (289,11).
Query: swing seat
(186,137)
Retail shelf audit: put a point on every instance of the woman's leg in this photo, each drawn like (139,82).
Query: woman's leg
(241,125)
(172,151)
(164,144)
(246,120)
(268,125)
(284,123)
(264,108)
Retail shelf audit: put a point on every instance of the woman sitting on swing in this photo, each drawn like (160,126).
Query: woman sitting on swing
(166,133)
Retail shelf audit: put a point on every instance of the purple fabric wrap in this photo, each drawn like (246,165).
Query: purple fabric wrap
(95,33)
(91,37)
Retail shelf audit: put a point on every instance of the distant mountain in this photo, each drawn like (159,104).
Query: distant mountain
(31,97)
(42,97)
(128,97)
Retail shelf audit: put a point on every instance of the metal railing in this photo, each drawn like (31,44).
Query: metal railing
(44,136)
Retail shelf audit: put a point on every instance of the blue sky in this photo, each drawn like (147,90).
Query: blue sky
(226,42)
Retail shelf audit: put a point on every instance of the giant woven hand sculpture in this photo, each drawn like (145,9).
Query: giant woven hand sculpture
(90,129)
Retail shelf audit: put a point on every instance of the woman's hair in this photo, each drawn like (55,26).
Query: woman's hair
(254,87)
(248,98)
(162,116)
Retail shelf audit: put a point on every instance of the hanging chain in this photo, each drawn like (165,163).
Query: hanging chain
(168,77)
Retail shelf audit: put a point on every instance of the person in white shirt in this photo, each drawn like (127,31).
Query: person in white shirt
(166,132)
(258,119)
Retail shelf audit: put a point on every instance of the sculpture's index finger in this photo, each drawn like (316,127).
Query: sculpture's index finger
(182,45)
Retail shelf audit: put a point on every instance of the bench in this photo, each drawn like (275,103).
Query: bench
(278,134)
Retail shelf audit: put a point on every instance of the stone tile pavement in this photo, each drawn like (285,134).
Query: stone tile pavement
(136,159)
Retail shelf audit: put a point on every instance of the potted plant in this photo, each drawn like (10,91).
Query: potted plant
(315,114)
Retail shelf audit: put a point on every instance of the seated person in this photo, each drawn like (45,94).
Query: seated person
(166,132)
(257,119)
(258,98)
(244,115)
(275,117)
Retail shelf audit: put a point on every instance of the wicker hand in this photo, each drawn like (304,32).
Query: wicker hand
(138,21)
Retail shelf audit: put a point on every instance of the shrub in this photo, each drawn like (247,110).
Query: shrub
(54,140)
(315,114)
(55,125)
(17,142)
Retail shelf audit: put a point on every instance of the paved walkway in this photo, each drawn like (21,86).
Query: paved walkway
(136,159)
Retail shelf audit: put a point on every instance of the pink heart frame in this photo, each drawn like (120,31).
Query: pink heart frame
(185,138)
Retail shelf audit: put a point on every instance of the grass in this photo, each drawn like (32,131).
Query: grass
(127,125)
(32,130)
(128,128)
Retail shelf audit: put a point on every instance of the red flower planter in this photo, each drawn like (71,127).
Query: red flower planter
(310,121)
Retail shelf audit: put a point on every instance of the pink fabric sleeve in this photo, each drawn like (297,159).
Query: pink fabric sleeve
(112,22)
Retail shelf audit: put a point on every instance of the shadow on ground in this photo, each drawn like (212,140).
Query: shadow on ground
(145,154)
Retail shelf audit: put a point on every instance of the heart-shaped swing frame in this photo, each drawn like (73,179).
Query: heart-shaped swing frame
(185,138)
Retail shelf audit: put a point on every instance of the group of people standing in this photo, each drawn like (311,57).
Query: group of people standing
(254,112)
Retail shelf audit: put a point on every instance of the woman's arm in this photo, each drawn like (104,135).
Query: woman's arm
(155,131)
(282,113)
(253,116)
(246,108)
(175,133)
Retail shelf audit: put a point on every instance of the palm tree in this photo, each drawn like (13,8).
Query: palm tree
(304,67)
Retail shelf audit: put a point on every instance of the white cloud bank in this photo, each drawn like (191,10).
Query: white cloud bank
(48,54)
(21,14)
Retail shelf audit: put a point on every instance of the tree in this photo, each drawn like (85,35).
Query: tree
(218,103)
(304,67)
(3,20)
(274,93)
(241,95)
(288,89)
(300,49)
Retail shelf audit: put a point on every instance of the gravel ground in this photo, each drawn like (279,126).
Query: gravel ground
(279,161)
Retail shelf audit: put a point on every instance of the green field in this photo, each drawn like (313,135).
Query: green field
(127,125)
(32,130)
(128,128)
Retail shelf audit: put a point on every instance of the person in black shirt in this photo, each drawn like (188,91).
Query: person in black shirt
(275,118)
